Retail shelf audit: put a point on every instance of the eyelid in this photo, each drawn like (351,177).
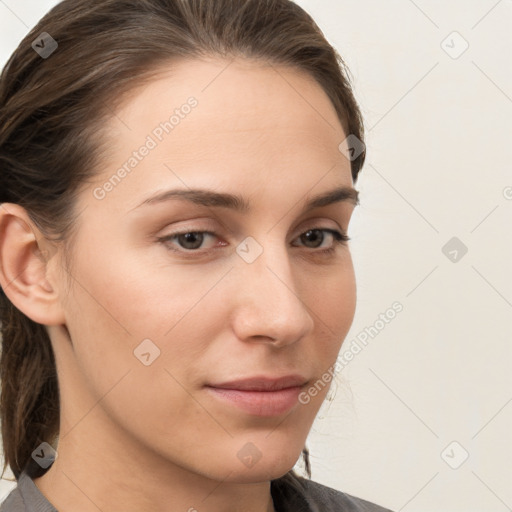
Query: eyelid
(204,226)
(213,227)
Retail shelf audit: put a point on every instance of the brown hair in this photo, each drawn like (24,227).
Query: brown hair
(52,108)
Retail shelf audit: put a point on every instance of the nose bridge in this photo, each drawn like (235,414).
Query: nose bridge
(268,302)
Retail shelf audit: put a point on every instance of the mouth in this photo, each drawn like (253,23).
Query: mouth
(260,396)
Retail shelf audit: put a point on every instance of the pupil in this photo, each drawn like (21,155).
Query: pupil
(189,238)
(315,233)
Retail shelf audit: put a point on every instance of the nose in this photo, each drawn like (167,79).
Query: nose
(267,304)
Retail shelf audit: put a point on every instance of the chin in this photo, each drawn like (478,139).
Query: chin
(254,476)
(269,467)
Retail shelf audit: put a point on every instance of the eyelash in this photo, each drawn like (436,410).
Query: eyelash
(340,238)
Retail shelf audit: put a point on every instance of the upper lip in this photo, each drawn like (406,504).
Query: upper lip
(262,383)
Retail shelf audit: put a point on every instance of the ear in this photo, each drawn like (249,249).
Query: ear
(24,267)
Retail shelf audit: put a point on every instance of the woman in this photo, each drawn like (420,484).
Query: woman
(176,185)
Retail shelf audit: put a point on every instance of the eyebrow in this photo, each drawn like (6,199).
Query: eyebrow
(237,203)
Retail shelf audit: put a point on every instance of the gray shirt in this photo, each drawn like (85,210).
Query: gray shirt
(26,497)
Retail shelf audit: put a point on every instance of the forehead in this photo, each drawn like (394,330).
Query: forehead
(234,96)
(252,123)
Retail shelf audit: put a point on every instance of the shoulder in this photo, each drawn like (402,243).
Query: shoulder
(14,502)
(321,497)
(295,493)
(26,497)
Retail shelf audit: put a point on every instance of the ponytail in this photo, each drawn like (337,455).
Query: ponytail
(29,399)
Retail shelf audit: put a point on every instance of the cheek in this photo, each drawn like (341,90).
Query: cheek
(125,300)
(138,296)
(332,303)
(122,304)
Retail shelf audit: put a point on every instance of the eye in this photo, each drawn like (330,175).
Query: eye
(191,241)
(318,234)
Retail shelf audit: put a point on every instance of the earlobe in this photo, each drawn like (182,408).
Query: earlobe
(24,267)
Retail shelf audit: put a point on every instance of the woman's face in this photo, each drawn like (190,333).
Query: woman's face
(155,318)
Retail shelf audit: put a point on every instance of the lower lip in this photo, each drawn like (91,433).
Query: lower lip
(259,403)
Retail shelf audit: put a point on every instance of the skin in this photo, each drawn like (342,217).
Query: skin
(152,437)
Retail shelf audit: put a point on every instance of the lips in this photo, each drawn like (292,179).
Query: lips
(259,396)
(263,383)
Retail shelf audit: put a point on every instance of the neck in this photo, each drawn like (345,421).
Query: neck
(84,480)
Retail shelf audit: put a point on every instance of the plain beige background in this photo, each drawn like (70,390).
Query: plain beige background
(422,413)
